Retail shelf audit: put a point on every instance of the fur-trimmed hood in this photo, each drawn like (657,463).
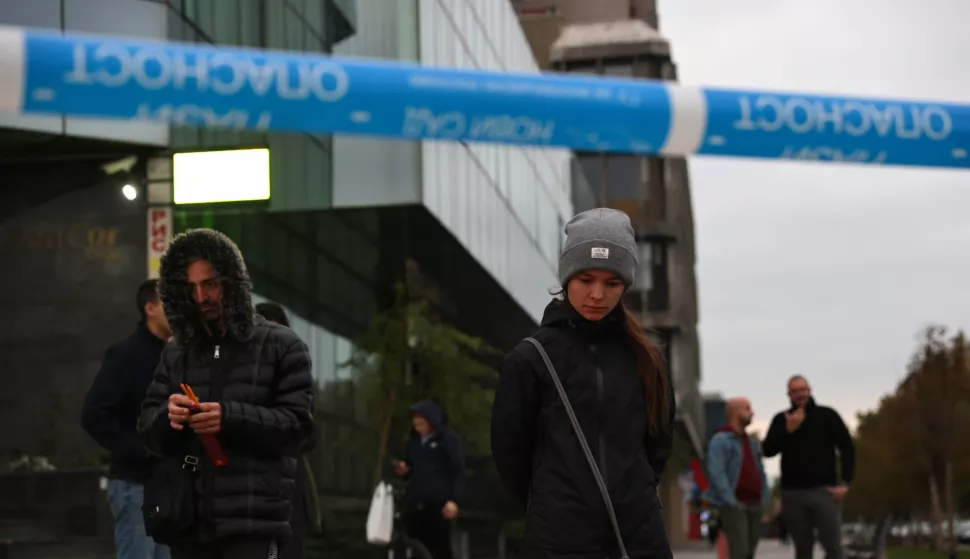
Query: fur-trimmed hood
(182,313)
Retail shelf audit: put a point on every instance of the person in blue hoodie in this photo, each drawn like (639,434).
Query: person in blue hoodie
(434,467)
(738,485)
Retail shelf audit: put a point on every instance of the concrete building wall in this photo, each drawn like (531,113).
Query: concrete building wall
(543,20)
(579,11)
(715,415)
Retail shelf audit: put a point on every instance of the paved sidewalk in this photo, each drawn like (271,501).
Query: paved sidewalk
(767,549)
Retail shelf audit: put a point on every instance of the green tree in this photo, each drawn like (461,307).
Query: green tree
(409,353)
(932,394)
(886,479)
(910,459)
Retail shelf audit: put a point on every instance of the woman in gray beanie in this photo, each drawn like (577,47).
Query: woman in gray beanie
(614,379)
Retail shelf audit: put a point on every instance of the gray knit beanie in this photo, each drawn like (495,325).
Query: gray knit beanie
(600,239)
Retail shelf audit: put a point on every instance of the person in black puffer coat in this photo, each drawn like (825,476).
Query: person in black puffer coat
(306,506)
(253,379)
(615,380)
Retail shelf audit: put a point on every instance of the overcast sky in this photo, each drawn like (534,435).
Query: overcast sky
(824,270)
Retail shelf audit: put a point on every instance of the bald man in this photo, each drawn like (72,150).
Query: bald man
(738,485)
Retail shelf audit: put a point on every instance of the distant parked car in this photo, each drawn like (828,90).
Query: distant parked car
(859,541)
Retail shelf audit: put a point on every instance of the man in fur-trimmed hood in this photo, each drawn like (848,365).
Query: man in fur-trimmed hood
(252,378)
(188,318)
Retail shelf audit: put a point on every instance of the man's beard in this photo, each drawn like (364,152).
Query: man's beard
(211,317)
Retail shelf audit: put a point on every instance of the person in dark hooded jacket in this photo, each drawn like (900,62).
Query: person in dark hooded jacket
(253,380)
(615,380)
(306,506)
(434,466)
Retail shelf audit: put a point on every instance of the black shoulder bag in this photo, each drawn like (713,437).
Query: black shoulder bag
(169,502)
(168,506)
(582,443)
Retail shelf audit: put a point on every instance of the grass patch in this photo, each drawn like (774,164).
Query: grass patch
(921,553)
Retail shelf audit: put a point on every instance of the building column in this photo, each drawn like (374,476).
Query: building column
(160,222)
(674,511)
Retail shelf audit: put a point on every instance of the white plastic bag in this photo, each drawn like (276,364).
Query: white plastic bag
(380,518)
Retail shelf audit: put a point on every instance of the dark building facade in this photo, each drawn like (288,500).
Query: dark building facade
(715,415)
(347,219)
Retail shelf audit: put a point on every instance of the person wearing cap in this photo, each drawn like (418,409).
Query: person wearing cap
(615,380)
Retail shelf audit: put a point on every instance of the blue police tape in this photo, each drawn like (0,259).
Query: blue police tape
(218,87)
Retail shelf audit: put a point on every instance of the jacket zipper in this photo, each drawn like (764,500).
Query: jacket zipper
(600,438)
(208,473)
(600,398)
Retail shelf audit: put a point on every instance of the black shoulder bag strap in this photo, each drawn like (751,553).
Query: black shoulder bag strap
(582,443)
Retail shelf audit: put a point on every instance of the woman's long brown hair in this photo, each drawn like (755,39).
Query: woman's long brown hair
(650,367)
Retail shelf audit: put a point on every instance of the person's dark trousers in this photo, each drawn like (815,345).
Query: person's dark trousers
(425,524)
(305,520)
(742,528)
(228,549)
(811,511)
(296,549)
(782,529)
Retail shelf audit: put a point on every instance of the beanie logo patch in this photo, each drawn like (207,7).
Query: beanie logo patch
(597,252)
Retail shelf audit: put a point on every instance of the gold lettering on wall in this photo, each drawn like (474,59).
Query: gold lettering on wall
(96,242)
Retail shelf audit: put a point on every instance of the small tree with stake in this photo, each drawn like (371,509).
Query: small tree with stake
(407,354)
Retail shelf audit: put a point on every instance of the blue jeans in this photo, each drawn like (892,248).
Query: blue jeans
(131,542)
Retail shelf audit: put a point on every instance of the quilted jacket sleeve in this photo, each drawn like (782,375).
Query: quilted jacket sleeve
(285,420)
(153,424)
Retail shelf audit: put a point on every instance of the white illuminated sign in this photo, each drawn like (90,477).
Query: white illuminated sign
(204,177)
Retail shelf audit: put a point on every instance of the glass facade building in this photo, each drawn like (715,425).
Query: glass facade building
(348,217)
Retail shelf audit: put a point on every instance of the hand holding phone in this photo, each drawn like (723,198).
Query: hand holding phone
(180,407)
(205,427)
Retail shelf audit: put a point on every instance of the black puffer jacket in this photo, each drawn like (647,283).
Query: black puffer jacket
(542,463)
(266,396)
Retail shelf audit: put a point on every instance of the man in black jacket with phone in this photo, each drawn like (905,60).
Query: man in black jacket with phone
(807,436)
(252,378)
(110,414)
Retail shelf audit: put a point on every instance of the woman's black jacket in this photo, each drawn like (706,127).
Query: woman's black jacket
(541,461)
